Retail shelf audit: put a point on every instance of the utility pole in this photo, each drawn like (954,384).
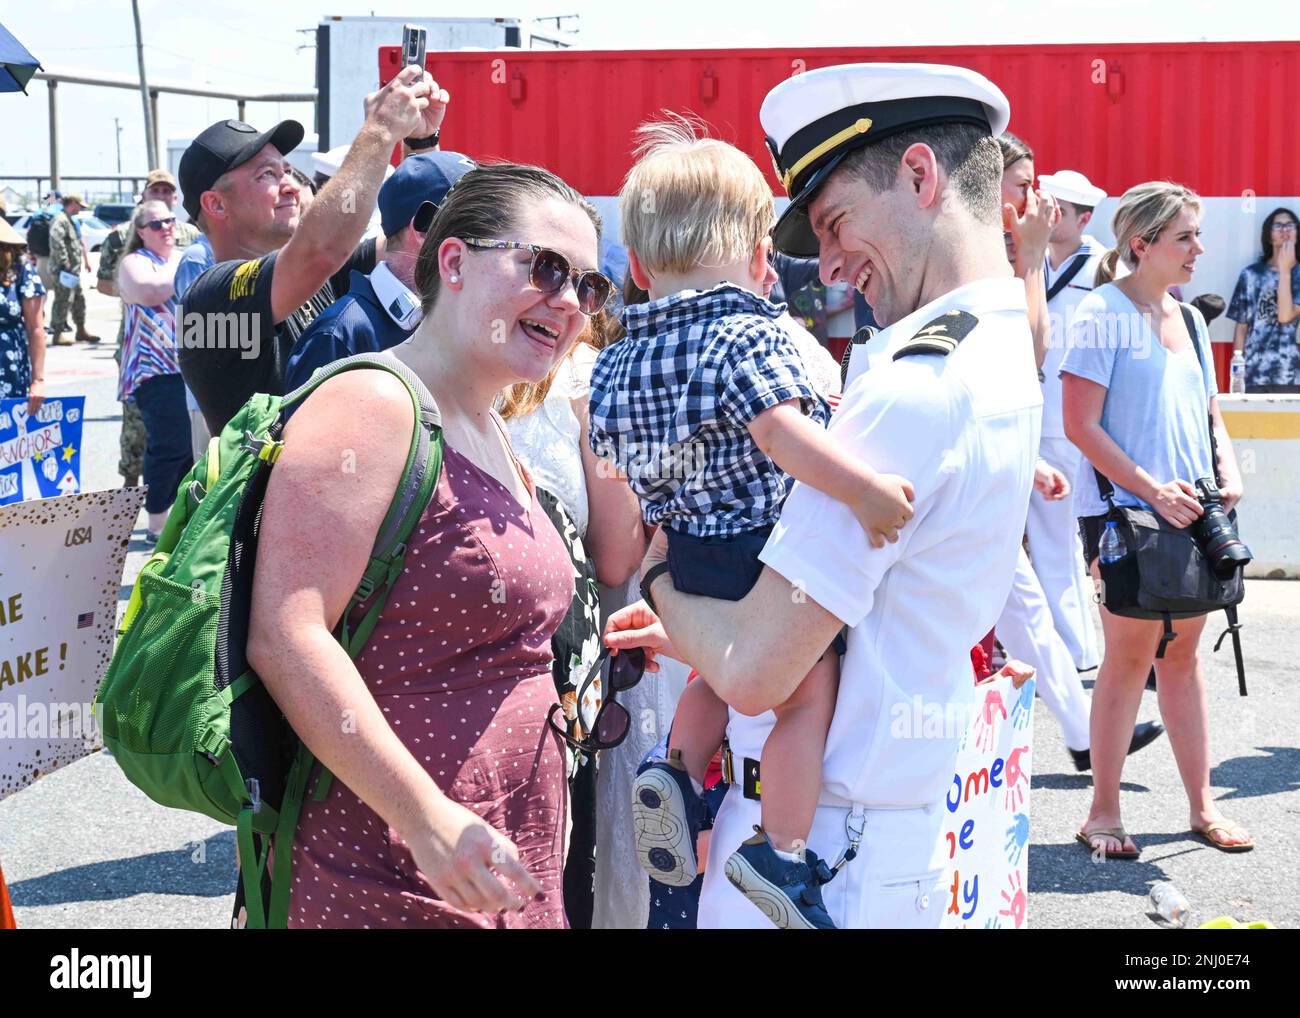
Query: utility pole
(117,127)
(149,137)
(53,88)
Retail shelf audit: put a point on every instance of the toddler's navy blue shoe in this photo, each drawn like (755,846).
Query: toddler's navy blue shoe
(666,815)
(787,892)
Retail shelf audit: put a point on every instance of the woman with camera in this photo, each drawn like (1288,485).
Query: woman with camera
(1136,392)
(449,804)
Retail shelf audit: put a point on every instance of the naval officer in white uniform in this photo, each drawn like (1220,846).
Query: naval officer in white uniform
(1069,269)
(894,180)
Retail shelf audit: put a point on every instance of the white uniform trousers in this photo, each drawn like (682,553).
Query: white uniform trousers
(895,882)
(1025,628)
(1058,558)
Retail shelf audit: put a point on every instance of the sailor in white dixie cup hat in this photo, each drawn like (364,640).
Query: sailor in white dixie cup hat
(895,183)
(1071,265)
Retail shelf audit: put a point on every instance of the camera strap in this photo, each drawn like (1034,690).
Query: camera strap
(1234,629)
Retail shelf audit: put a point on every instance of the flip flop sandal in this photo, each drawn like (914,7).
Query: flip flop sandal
(1228,827)
(1085,837)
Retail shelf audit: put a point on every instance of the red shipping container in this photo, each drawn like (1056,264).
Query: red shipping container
(1211,115)
(1214,116)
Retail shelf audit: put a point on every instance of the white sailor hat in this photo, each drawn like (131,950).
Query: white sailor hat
(329,163)
(813,120)
(1072,186)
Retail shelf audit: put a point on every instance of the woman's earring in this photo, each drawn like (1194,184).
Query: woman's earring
(453,279)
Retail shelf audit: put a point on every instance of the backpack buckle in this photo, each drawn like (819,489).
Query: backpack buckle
(265,449)
(213,746)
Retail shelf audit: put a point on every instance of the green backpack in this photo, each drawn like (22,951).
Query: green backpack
(185,717)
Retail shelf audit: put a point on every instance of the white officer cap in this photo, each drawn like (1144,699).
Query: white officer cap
(328,163)
(1072,186)
(813,120)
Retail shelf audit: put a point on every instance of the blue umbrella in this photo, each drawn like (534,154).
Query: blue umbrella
(16,65)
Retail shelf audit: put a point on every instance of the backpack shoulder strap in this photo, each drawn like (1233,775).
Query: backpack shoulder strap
(419,477)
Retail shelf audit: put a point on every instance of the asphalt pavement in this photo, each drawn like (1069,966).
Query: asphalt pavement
(82,848)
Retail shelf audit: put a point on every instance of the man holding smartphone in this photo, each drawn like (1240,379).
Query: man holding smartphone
(273,274)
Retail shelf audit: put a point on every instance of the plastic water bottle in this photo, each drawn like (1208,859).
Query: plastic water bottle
(1169,904)
(1112,547)
(1237,372)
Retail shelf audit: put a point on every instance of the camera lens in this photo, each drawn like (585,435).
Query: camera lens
(1217,534)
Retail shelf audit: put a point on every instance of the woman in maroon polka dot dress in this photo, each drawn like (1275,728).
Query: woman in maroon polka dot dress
(448,805)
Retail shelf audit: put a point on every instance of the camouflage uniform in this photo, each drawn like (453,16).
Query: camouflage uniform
(65,254)
(131,462)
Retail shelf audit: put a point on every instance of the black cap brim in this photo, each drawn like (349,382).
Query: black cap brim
(793,234)
(284,137)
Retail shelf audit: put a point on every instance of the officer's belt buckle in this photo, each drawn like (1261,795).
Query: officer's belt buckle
(751,785)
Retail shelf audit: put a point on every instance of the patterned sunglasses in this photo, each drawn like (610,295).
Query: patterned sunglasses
(551,270)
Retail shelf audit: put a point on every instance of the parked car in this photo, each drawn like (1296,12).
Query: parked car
(113,214)
(93,230)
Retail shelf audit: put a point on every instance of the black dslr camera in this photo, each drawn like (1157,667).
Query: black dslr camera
(1217,533)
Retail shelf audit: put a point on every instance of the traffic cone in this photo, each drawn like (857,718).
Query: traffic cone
(6,907)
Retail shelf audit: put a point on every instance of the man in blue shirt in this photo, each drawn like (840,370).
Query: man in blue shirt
(381,310)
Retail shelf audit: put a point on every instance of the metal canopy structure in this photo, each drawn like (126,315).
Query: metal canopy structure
(54,78)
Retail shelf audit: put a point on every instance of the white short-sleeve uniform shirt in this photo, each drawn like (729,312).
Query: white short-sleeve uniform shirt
(964,429)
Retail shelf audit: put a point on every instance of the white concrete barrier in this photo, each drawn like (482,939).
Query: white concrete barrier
(1265,432)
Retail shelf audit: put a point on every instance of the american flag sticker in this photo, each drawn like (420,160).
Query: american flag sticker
(85,620)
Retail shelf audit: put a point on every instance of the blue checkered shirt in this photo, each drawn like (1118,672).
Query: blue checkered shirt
(671,401)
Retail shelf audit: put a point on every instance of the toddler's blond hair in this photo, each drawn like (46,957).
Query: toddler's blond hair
(691,201)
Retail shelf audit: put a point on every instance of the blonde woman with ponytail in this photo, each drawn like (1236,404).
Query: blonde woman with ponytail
(1135,399)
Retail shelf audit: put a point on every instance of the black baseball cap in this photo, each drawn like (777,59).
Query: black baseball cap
(222,147)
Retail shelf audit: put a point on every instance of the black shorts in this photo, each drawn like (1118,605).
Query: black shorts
(725,568)
(1090,531)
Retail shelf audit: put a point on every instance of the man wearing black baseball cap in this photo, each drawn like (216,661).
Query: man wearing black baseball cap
(274,274)
(382,309)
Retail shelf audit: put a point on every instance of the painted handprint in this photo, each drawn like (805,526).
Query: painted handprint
(1017,837)
(1017,778)
(1021,710)
(986,724)
(1016,902)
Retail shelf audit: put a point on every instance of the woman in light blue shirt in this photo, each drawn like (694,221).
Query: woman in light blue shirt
(1135,399)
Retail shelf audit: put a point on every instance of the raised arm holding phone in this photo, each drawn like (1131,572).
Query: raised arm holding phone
(275,271)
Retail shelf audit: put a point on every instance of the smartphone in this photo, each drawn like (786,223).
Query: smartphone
(413,46)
